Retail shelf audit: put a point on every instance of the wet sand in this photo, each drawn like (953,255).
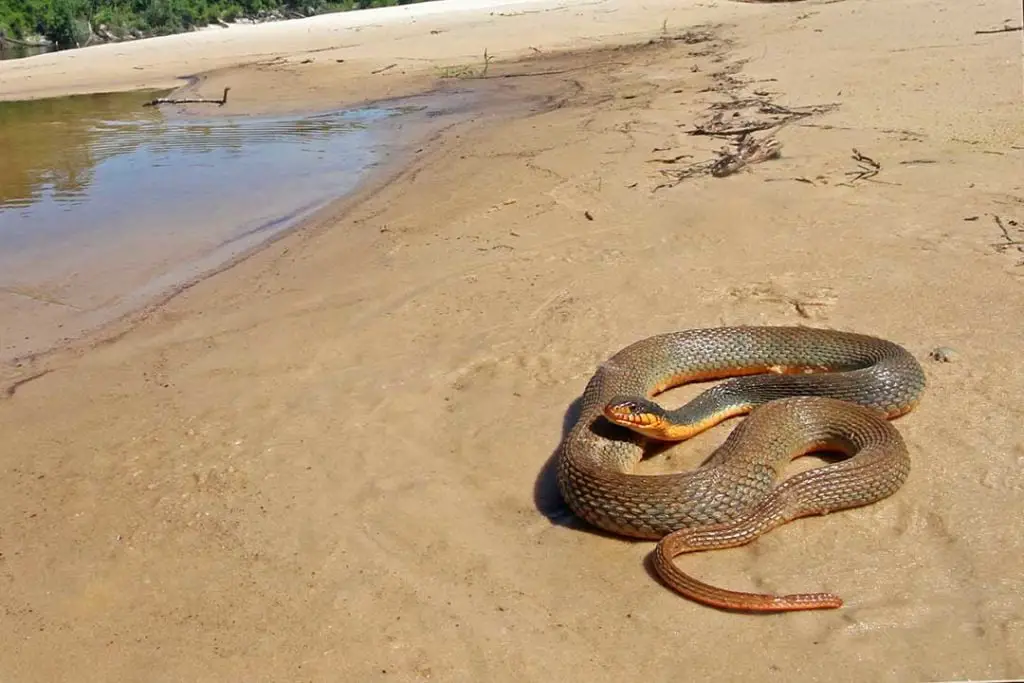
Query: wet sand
(331,461)
(84,239)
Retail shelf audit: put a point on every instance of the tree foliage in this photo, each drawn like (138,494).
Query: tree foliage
(70,23)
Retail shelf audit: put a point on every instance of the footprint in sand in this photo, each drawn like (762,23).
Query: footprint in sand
(803,300)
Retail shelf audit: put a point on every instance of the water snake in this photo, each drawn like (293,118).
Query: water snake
(804,390)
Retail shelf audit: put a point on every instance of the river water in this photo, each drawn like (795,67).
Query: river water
(106,204)
(10,51)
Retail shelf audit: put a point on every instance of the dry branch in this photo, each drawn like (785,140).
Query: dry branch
(189,100)
(1004,29)
(748,151)
(764,116)
(869,168)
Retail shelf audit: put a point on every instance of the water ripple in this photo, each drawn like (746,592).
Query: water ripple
(55,148)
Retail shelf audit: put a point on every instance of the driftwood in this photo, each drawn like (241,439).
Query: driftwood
(760,115)
(6,40)
(189,100)
(747,151)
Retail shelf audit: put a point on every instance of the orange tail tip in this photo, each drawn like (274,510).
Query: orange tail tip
(722,598)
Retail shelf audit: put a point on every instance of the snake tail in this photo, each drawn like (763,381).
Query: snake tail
(876,465)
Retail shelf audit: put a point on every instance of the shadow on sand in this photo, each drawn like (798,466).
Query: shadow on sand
(546,496)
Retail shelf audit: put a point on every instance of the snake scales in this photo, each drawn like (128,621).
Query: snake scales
(805,390)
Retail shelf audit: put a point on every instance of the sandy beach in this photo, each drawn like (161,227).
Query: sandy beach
(332,461)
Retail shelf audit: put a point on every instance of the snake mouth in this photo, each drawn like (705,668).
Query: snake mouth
(634,415)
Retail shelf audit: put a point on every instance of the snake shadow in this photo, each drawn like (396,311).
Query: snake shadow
(548,499)
(546,496)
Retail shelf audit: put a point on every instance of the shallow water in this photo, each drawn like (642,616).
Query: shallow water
(104,202)
(11,51)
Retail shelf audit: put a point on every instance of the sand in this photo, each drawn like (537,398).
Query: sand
(331,461)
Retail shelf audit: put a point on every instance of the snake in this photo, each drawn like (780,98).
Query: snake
(802,390)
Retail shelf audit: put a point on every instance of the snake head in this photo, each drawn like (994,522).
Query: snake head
(638,414)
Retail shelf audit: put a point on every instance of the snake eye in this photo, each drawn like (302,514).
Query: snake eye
(631,407)
(629,411)
(623,407)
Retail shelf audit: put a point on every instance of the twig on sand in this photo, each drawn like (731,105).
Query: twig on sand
(869,168)
(768,115)
(864,159)
(1002,228)
(1004,29)
(762,115)
(670,160)
(465,71)
(383,69)
(715,128)
(531,74)
(677,176)
(189,100)
(738,118)
(748,150)
(1009,241)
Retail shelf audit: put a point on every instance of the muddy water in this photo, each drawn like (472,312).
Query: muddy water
(106,204)
(12,51)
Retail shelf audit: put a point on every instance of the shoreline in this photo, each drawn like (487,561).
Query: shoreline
(331,460)
(411,44)
(16,371)
(399,149)
(422,82)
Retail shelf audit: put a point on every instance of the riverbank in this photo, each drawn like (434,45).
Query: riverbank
(82,243)
(330,461)
(351,57)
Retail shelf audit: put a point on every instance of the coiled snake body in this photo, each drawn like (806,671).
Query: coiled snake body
(805,390)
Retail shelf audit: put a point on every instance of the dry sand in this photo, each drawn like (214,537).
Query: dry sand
(330,462)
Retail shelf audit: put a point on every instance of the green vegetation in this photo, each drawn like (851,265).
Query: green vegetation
(71,23)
